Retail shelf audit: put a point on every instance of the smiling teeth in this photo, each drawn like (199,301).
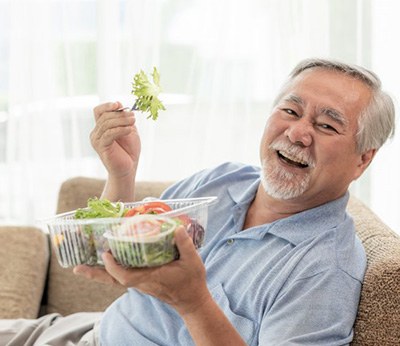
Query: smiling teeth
(292,158)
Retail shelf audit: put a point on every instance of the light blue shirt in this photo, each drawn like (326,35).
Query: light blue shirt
(295,281)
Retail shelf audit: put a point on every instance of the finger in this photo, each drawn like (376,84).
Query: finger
(115,119)
(106,107)
(127,277)
(184,243)
(114,269)
(107,138)
(111,122)
(104,141)
(109,261)
(94,273)
(112,128)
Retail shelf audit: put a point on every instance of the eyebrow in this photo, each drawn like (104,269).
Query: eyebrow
(334,114)
(294,99)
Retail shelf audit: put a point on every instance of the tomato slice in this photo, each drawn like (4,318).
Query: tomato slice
(131,212)
(155,207)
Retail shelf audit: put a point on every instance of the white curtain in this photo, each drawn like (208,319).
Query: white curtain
(385,57)
(221,63)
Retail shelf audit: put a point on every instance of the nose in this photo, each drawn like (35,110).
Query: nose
(300,132)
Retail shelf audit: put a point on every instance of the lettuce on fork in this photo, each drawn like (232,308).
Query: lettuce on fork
(147,93)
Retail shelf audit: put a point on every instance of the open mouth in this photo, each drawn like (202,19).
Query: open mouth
(292,160)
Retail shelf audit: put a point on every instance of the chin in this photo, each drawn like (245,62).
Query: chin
(281,184)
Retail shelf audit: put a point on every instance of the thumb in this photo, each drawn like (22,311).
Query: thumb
(117,105)
(184,243)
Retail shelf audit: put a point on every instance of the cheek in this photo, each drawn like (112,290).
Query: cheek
(272,129)
(338,156)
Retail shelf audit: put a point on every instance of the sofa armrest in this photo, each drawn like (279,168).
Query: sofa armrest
(24,255)
(378,317)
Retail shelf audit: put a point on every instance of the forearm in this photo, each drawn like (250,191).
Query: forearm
(209,326)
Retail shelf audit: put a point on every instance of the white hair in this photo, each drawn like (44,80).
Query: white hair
(376,123)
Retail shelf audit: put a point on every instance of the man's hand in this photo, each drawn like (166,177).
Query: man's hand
(116,140)
(181,283)
(98,274)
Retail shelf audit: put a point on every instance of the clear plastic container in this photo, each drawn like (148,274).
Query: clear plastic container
(82,241)
(144,241)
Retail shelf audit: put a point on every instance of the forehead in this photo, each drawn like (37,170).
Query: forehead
(329,88)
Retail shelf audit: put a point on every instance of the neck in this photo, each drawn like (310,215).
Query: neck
(266,209)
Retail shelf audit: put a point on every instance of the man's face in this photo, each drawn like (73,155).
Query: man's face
(308,149)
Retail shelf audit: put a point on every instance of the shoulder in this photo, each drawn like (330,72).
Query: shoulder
(227,169)
(336,250)
(206,181)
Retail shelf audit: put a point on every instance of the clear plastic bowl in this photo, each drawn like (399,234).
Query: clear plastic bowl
(144,241)
(82,241)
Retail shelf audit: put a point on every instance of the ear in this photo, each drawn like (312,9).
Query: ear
(364,161)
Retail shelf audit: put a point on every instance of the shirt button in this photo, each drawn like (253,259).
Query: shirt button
(230,241)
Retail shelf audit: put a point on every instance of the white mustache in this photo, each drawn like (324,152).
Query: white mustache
(293,151)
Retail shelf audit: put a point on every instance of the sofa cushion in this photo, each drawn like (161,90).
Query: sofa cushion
(24,255)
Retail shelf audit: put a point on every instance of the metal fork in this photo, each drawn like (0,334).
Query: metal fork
(133,108)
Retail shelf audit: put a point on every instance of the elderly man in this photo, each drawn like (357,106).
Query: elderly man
(281,264)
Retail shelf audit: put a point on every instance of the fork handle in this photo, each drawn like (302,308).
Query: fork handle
(133,108)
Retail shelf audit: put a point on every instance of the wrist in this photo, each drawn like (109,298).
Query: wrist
(208,325)
(197,307)
(120,188)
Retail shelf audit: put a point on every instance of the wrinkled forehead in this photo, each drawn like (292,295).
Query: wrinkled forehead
(328,83)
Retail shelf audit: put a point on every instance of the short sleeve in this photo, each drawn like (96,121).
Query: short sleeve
(318,310)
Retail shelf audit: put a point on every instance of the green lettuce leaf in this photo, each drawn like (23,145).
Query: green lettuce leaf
(100,208)
(147,93)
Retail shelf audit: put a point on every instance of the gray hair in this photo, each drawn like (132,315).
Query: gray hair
(376,123)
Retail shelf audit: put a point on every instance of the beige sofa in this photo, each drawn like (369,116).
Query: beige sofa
(32,283)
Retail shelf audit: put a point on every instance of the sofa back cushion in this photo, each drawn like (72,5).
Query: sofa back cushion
(66,292)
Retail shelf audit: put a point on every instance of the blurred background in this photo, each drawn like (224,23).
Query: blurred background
(221,63)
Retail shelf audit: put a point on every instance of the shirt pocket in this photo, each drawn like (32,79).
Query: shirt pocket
(245,327)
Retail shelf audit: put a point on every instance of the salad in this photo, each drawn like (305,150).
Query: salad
(91,233)
(145,242)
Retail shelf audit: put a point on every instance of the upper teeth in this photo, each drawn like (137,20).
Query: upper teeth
(293,158)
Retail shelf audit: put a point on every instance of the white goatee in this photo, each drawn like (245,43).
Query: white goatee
(280,183)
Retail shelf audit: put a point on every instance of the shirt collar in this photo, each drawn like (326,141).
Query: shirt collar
(241,195)
(309,223)
(301,226)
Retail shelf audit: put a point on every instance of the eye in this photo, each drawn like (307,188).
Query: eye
(290,111)
(327,127)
